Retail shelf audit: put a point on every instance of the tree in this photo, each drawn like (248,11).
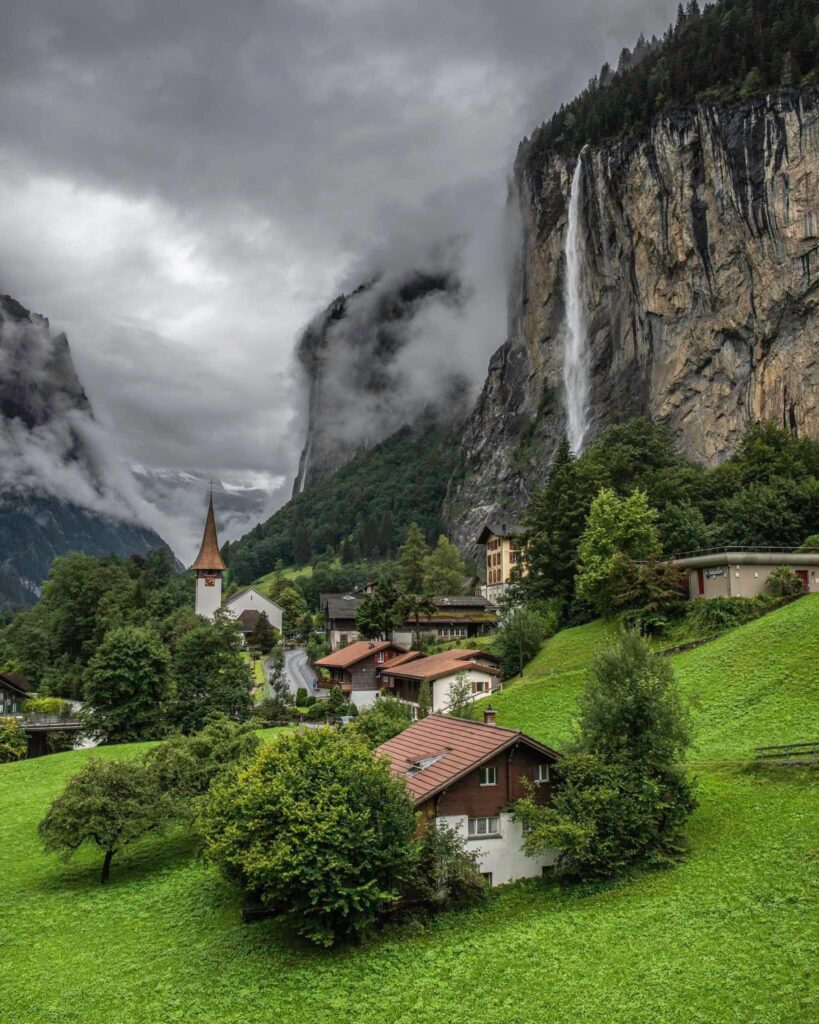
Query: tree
(614,525)
(380,612)
(13,740)
(412,556)
(264,637)
(682,527)
(293,606)
(414,607)
(783,581)
(521,634)
(211,675)
(337,705)
(425,700)
(379,722)
(444,569)
(654,585)
(185,766)
(127,686)
(280,695)
(461,704)
(109,803)
(624,796)
(810,543)
(318,830)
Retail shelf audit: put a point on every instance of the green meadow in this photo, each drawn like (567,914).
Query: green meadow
(729,935)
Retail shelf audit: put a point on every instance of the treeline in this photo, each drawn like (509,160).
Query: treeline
(733,48)
(122,636)
(360,513)
(767,493)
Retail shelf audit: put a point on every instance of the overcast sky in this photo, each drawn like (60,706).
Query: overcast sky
(185,182)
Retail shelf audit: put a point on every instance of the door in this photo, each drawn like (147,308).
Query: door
(700,582)
(803,575)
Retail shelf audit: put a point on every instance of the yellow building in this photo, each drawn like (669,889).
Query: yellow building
(504,543)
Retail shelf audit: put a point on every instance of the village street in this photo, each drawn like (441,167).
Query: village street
(297,669)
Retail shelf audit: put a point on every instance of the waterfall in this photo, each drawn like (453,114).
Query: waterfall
(575,356)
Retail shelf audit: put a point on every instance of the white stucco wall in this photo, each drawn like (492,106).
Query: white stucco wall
(440,687)
(363,698)
(252,600)
(503,856)
(208,599)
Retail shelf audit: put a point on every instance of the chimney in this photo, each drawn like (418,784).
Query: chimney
(489,715)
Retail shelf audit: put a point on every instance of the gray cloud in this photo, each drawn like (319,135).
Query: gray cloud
(186,184)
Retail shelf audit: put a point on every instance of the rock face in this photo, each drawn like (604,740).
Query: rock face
(700,287)
(354,356)
(54,494)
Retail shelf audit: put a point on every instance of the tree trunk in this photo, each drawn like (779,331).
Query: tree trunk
(106,865)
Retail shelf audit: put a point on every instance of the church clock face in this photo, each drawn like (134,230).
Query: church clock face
(210,581)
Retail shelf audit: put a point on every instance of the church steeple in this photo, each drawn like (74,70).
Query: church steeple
(209,558)
(209,566)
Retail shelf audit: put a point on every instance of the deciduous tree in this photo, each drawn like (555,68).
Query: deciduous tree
(317,829)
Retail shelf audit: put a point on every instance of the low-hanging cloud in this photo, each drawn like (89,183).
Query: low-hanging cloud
(186,184)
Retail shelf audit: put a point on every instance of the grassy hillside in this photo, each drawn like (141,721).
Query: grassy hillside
(728,936)
(755,685)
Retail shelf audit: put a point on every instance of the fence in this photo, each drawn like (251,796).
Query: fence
(806,753)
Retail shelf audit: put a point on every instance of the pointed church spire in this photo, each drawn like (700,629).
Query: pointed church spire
(209,558)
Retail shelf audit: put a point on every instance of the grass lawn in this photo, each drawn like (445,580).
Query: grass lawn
(730,935)
(290,573)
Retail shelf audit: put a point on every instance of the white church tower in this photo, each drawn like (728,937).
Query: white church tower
(209,566)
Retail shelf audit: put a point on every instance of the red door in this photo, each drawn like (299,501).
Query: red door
(803,575)
(700,582)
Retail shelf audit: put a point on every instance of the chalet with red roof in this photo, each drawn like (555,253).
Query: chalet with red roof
(358,668)
(467,775)
(404,677)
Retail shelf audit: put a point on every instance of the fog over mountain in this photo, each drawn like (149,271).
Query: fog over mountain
(186,186)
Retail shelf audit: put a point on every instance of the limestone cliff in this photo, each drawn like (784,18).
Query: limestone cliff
(699,245)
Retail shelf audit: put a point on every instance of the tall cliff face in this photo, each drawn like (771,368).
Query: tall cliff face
(55,492)
(699,284)
(358,367)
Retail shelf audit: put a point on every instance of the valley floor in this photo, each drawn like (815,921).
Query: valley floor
(730,935)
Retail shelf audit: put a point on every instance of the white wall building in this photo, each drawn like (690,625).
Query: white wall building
(250,600)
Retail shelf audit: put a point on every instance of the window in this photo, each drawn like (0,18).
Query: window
(542,773)
(478,828)
(480,686)
(488,776)
(487,877)
(380,657)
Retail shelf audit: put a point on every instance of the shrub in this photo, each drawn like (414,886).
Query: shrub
(109,803)
(185,766)
(784,582)
(301,697)
(13,741)
(318,830)
(386,718)
(47,706)
(708,616)
(448,873)
(317,712)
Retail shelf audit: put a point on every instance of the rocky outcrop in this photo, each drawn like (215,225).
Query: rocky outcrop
(55,496)
(354,357)
(700,285)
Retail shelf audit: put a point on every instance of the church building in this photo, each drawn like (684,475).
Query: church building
(246,605)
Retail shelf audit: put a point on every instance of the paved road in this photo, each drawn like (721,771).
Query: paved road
(298,671)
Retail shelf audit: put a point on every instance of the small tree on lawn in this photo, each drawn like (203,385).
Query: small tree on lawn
(461,704)
(624,796)
(109,803)
(386,718)
(614,525)
(13,741)
(448,871)
(127,686)
(185,766)
(318,830)
(522,633)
